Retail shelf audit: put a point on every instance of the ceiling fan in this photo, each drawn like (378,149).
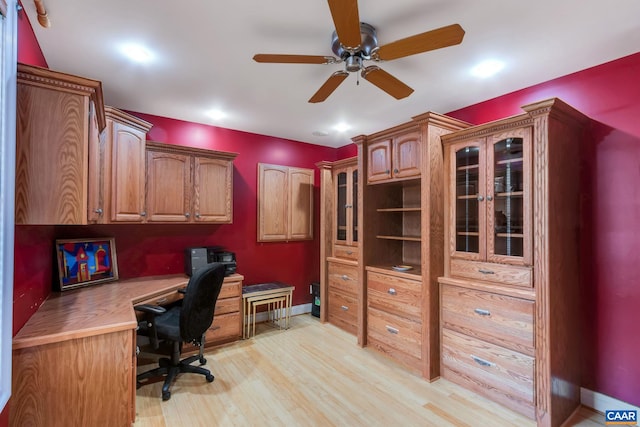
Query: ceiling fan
(355,42)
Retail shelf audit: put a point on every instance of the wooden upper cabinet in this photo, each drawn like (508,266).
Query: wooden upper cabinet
(57,115)
(122,167)
(285,203)
(188,184)
(394,158)
(212,190)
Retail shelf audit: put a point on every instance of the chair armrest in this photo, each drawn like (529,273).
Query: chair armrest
(150,309)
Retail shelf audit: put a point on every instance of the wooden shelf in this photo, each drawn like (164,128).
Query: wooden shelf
(515,235)
(403,238)
(399,209)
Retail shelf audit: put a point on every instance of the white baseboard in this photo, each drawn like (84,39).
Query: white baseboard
(601,402)
(295,310)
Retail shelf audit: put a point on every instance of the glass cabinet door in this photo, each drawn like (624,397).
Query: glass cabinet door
(354,205)
(508,190)
(341,207)
(468,209)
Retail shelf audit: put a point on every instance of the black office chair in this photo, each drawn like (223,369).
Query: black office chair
(186,321)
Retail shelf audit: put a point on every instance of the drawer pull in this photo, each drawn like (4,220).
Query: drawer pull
(349,252)
(481,361)
(161,301)
(344,307)
(486,271)
(391,330)
(345,277)
(392,291)
(482,312)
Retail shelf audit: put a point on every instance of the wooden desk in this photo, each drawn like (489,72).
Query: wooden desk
(252,295)
(74,361)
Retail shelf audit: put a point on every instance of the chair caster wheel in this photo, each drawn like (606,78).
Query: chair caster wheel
(210,378)
(166,395)
(203,361)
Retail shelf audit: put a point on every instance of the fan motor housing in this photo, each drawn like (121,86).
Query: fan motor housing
(369,41)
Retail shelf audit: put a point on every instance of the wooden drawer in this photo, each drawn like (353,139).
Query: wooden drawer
(230,289)
(343,277)
(223,327)
(343,311)
(227,305)
(347,252)
(395,336)
(491,272)
(396,295)
(502,375)
(499,319)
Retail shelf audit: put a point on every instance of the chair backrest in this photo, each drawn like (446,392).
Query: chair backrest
(199,301)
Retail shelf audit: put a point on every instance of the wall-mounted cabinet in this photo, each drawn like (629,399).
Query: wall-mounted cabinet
(188,185)
(285,203)
(59,118)
(511,295)
(121,158)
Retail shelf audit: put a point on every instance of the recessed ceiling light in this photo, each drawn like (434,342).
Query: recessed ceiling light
(137,53)
(487,68)
(342,127)
(217,114)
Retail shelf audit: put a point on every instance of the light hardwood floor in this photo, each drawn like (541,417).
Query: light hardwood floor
(314,374)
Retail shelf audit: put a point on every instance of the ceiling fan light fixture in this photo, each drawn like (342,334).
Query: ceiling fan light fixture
(487,68)
(353,63)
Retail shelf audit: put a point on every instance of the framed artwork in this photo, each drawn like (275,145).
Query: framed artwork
(85,262)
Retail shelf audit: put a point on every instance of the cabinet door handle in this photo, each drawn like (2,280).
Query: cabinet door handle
(395,170)
(197,215)
(187,214)
(98,211)
(480,198)
(391,330)
(481,361)
(344,307)
(489,198)
(345,277)
(486,271)
(392,291)
(348,206)
(143,213)
(387,171)
(482,312)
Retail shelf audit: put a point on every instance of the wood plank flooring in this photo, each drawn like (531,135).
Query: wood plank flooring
(315,374)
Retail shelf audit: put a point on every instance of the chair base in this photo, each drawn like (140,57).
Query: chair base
(171,370)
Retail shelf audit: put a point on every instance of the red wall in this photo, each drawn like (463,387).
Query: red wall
(610,95)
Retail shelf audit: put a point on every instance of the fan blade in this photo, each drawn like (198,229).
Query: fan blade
(431,40)
(329,86)
(347,22)
(294,59)
(386,82)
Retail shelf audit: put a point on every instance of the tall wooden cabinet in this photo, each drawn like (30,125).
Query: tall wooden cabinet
(510,295)
(188,185)
(401,242)
(59,116)
(339,247)
(285,203)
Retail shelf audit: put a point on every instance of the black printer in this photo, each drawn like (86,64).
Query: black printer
(201,256)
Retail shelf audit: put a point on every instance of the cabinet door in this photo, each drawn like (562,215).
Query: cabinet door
(168,187)
(346,206)
(300,204)
(51,156)
(272,202)
(127,173)
(212,190)
(379,161)
(406,155)
(467,205)
(509,208)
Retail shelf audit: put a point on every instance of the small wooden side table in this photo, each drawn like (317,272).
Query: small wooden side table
(271,294)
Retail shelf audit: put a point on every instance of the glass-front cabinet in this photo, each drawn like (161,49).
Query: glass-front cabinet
(346,206)
(491,212)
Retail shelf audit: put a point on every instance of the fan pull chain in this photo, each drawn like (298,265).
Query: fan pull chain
(357,79)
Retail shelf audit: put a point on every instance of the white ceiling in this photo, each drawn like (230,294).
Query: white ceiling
(203,53)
